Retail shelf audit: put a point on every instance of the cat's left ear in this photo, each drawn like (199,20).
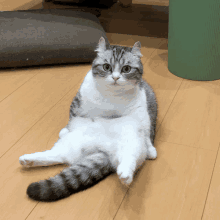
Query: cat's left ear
(136,49)
(101,45)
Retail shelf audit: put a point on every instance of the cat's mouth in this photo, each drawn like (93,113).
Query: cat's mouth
(115,84)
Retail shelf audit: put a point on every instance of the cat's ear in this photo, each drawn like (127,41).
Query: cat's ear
(101,45)
(136,49)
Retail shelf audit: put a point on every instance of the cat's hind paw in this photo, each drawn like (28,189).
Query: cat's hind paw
(125,175)
(152,153)
(25,161)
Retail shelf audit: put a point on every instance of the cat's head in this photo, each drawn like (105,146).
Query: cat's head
(117,65)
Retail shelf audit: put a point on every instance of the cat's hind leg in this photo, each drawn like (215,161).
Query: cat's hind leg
(45,158)
(61,153)
(65,151)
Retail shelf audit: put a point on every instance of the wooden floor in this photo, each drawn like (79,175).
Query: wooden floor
(183,183)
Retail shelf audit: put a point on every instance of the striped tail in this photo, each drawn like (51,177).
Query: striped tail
(85,173)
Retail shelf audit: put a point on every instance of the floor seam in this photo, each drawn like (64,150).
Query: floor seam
(169,106)
(187,145)
(18,88)
(120,204)
(161,42)
(31,211)
(210,183)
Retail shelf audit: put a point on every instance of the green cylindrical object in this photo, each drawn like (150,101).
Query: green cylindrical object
(194,39)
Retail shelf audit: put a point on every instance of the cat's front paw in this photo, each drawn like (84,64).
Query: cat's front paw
(125,174)
(63,132)
(26,160)
(152,153)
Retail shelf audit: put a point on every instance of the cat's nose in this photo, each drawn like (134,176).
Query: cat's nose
(115,77)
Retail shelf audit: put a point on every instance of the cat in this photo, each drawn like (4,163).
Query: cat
(111,127)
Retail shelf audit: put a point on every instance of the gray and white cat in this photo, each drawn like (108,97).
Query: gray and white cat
(111,127)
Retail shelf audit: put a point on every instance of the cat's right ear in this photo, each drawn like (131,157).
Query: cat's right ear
(136,49)
(101,45)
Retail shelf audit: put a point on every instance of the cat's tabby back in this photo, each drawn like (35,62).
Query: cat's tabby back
(111,127)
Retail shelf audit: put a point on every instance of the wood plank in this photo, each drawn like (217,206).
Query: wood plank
(127,3)
(11,80)
(100,202)
(12,5)
(174,186)
(193,117)
(152,2)
(21,110)
(212,211)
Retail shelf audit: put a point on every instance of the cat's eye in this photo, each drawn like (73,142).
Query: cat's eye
(107,67)
(126,69)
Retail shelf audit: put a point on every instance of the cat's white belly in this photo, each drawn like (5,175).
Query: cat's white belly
(97,128)
(88,134)
(102,131)
(103,108)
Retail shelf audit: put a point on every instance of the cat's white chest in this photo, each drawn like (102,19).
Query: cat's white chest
(97,106)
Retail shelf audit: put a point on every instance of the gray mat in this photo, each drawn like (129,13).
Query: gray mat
(51,36)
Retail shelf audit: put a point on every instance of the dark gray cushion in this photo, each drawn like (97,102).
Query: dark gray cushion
(52,36)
